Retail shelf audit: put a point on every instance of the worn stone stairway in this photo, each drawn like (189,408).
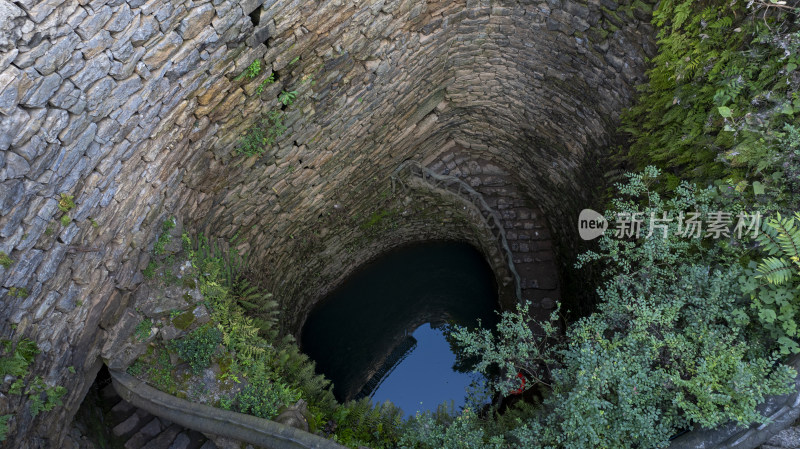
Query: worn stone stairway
(143,430)
(134,428)
(525,226)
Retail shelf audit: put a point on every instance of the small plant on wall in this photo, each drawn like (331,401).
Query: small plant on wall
(262,134)
(65,204)
(251,71)
(287,98)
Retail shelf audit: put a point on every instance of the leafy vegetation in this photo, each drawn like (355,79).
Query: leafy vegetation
(198,347)
(287,98)
(262,134)
(4,427)
(19,292)
(43,397)
(722,93)
(143,329)
(267,81)
(164,238)
(5,261)
(427,431)
(687,331)
(264,397)
(251,71)
(15,361)
(150,270)
(66,203)
(673,342)
(773,283)
(517,348)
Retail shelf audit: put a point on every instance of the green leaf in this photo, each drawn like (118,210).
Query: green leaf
(774,270)
(790,67)
(758,188)
(767,315)
(725,111)
(788,345)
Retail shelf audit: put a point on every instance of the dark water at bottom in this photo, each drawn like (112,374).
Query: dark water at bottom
(382,333)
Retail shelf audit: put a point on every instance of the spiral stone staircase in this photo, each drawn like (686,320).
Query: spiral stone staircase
(125,426)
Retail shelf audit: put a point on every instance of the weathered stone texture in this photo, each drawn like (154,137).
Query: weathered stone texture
(135,107)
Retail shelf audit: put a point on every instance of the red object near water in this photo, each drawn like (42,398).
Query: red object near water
(522,385)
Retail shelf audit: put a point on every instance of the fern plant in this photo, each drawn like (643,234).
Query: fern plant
(774,282)
(719,90)
(4,427)
(361,423)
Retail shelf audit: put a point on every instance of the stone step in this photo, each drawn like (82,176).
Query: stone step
(166,437)
(144,434)
(121,411)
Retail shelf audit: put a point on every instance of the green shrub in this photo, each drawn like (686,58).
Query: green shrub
(287,98)
(150,270)
(720,91)
(198,347)
(5,261)
(360,423)
(4,427)
(66,203)
(251,71)
(773,283)
(424,431)
(164,238)
(670,344)
(143,329)
(264,397)
(517,349)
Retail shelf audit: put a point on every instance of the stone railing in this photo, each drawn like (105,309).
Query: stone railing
(462,189)
(781,410)
(257,431)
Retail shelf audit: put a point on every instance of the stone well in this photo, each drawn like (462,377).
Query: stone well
(135,108)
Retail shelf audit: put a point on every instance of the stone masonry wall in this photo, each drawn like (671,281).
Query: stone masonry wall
(135,107)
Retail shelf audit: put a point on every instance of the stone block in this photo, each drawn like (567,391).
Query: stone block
(197,19)
(29,127)
(171,20)
(94,69)
(120,71)
(148,28)
(42,9)
(120,19)
(41,91)
(167,47)
(98,93)
(16,166)
(58,54)
(96,44)
(73,65)
(94,22)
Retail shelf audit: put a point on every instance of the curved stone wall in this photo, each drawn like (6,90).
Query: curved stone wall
(134,108)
